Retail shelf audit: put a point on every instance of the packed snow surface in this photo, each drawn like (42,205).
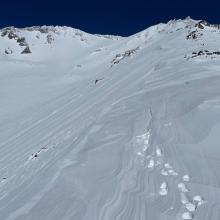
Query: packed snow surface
(99,127)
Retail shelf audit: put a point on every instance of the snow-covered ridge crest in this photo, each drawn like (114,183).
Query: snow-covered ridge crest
(15,41)
(44,29)
(176,25)
(187,22)
(59,30)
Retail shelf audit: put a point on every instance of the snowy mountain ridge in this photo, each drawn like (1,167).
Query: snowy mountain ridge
(99,127)
(25,37)
(15,41)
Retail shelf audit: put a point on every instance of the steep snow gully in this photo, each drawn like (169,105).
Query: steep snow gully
(99,127)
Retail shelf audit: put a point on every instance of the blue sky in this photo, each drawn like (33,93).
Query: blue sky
(104,17)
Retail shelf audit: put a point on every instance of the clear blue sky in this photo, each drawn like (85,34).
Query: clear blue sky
(104,17)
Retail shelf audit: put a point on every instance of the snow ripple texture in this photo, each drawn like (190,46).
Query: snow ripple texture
(84,137)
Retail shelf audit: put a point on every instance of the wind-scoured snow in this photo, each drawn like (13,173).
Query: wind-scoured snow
(103,127)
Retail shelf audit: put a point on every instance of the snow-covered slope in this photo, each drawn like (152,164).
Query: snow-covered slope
(101,127)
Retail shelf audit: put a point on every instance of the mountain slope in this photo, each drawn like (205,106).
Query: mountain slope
(103,127)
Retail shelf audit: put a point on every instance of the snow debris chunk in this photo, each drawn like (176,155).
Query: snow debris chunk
(190,207)
(168,166)
(164,172)
(187,216)
(151,163)
(172,172)
(186,178)
(158,152)
(198,200)
(163,189)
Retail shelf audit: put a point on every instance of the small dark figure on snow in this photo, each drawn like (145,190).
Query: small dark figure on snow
(97,80)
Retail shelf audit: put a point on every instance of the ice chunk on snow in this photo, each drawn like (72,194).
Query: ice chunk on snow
(163,192)
(163,185)
(164,172)
(198,200)
(187,215)
(163,189)
(190,207)
(172,172)
(168,166)
(151,163)
(158,152)
(186,178)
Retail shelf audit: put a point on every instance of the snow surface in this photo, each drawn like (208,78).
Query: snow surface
(101,127)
